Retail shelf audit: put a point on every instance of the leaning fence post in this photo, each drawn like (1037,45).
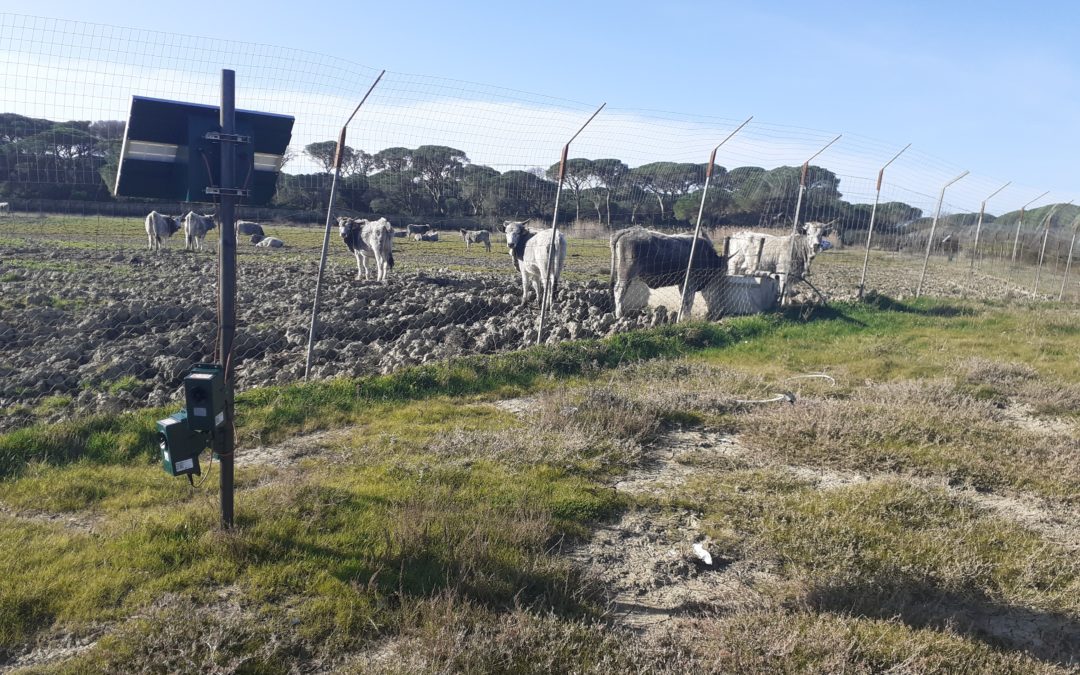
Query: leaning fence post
(978,230)
(1068,261)
(1042,252)
(933,228)
(338,157)
(547,294)
(802,182)
(1020,222)
(873,215)
(701,211)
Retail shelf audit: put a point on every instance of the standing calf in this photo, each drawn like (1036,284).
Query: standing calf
(160,227)
(195,228)
(471,237)
(365,238)
(530,253)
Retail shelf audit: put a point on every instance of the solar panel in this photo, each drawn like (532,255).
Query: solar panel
(170,152)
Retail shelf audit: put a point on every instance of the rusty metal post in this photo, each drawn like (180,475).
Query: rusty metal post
(933,228)
(547,294)
(802,182)
(339,155)
(1068,261)
(978,229)
(701,211)
(1042,252)
(873,216)
(1020,222)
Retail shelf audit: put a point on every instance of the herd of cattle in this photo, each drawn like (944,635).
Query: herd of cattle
(637,254)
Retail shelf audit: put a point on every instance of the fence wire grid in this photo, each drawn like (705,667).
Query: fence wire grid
(91,320)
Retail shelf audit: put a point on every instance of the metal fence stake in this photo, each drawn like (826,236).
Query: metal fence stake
(701,210)
(933,228)
(873,215)
(547,294)
(338,157)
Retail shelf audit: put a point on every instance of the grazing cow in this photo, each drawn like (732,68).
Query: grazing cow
(471,237)
(247,227)
(373,238)
(787,257)
(195,228)
(426,236)
(414,228)
(5,208)
(160,227)
(660,260)
(950,245)
(530,253)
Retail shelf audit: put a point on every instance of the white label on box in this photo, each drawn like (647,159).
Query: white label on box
(186,464)
(220,419)
(200,412)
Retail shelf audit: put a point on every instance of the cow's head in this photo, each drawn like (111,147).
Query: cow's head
(256,238)
(514,230)
(816,233)
(345,224)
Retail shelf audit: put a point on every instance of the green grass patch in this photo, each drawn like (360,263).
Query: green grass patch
(886,544)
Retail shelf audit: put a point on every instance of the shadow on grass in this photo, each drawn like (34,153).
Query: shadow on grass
(920,603)
(811,313)
(885,303)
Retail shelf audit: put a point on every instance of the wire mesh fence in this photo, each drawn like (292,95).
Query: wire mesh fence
(91,319)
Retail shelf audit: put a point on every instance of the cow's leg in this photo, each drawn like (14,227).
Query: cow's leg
(356,255)
(367,273)
(688,301)
(618,292)
(525,283)
(149,242)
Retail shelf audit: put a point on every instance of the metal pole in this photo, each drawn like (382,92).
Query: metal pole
(1042,252)
(802,182)
(978,229)
(701,210)
(1068,262)
(873,215)
(933,228)
(339,155)
(1016,239)
(548,293)
(225,442)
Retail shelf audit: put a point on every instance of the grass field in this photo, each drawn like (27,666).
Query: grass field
(913,511)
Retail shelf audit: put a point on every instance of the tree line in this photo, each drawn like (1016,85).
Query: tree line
(42,159)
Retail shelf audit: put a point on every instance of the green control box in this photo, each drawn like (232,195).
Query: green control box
(180,446)
(204,392)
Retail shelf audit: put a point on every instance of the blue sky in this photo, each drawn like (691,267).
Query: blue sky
(991,87)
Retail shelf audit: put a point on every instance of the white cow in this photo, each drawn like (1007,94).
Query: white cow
(195,228)
(365,238)
(5,208)
(160,227)
(530,253)
(471,237)
(787,257)
(247,228)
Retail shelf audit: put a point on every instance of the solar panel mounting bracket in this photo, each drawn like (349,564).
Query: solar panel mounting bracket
(234,192)
(227,138)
